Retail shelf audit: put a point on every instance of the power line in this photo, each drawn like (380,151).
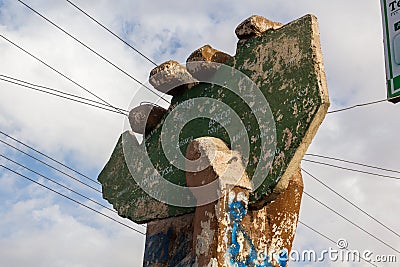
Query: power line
(330,239)
(69,198)
(303,170)
(62,95)
(351,203)
(168,102)
(356,163)
(143,233)
(362,105)
(60,73)
(76,201)
(99,103)
(56,91)
(107,207)
(93,51)
(57,183)
(101,107)
(48,157)
(349,221)
(318,232)
(352,162)
(52,167)
(147,58)
(111,32)
(353,170)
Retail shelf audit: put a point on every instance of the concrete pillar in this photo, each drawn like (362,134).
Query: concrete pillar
(225,232)
(230,226)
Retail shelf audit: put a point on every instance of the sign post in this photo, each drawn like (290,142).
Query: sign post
(391,29)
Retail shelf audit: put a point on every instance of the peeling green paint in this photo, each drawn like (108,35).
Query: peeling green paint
(286,64)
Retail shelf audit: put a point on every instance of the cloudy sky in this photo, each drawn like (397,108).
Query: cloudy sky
(40,228)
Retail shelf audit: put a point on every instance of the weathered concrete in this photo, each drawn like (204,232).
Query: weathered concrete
(255,26)
(225,232)
(215,163)
(229,174)
(242,227)
(171,78)
(131,201)
(276,223)
(286,64)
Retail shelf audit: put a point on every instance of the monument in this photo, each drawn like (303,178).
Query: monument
(217,175)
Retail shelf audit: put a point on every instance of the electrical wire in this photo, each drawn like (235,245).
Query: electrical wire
(111,32)
(352,162)
(305,192)
(353,170)
(335,111)
(93,51)
(303,170)
(101,104)
(69,198)
(64,96)
(121,223)
(342,196)
(48,157)
(52,167)
(319,203)
(57,183)
(330,239)
(351,203)
(57,71)
(352,223)
(363,105)
(130,76)
(318,232)
(56,91)
(136,50)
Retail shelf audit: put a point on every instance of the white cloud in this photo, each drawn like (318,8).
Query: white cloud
(40,232)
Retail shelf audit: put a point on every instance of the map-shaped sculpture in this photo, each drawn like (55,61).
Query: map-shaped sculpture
(286,65)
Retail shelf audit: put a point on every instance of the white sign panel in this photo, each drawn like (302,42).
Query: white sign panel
(391,25)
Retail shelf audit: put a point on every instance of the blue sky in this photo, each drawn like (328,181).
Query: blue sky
(41,229)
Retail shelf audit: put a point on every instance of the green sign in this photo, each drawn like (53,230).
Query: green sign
(267,104)
(391,27)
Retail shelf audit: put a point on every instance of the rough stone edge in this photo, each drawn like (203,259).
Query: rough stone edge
(201,146)
(315,123)
(274,25)
(320,114)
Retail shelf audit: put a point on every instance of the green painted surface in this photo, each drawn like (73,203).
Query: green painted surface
(286,65)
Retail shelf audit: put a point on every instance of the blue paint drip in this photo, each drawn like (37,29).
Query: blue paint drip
(237,211)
